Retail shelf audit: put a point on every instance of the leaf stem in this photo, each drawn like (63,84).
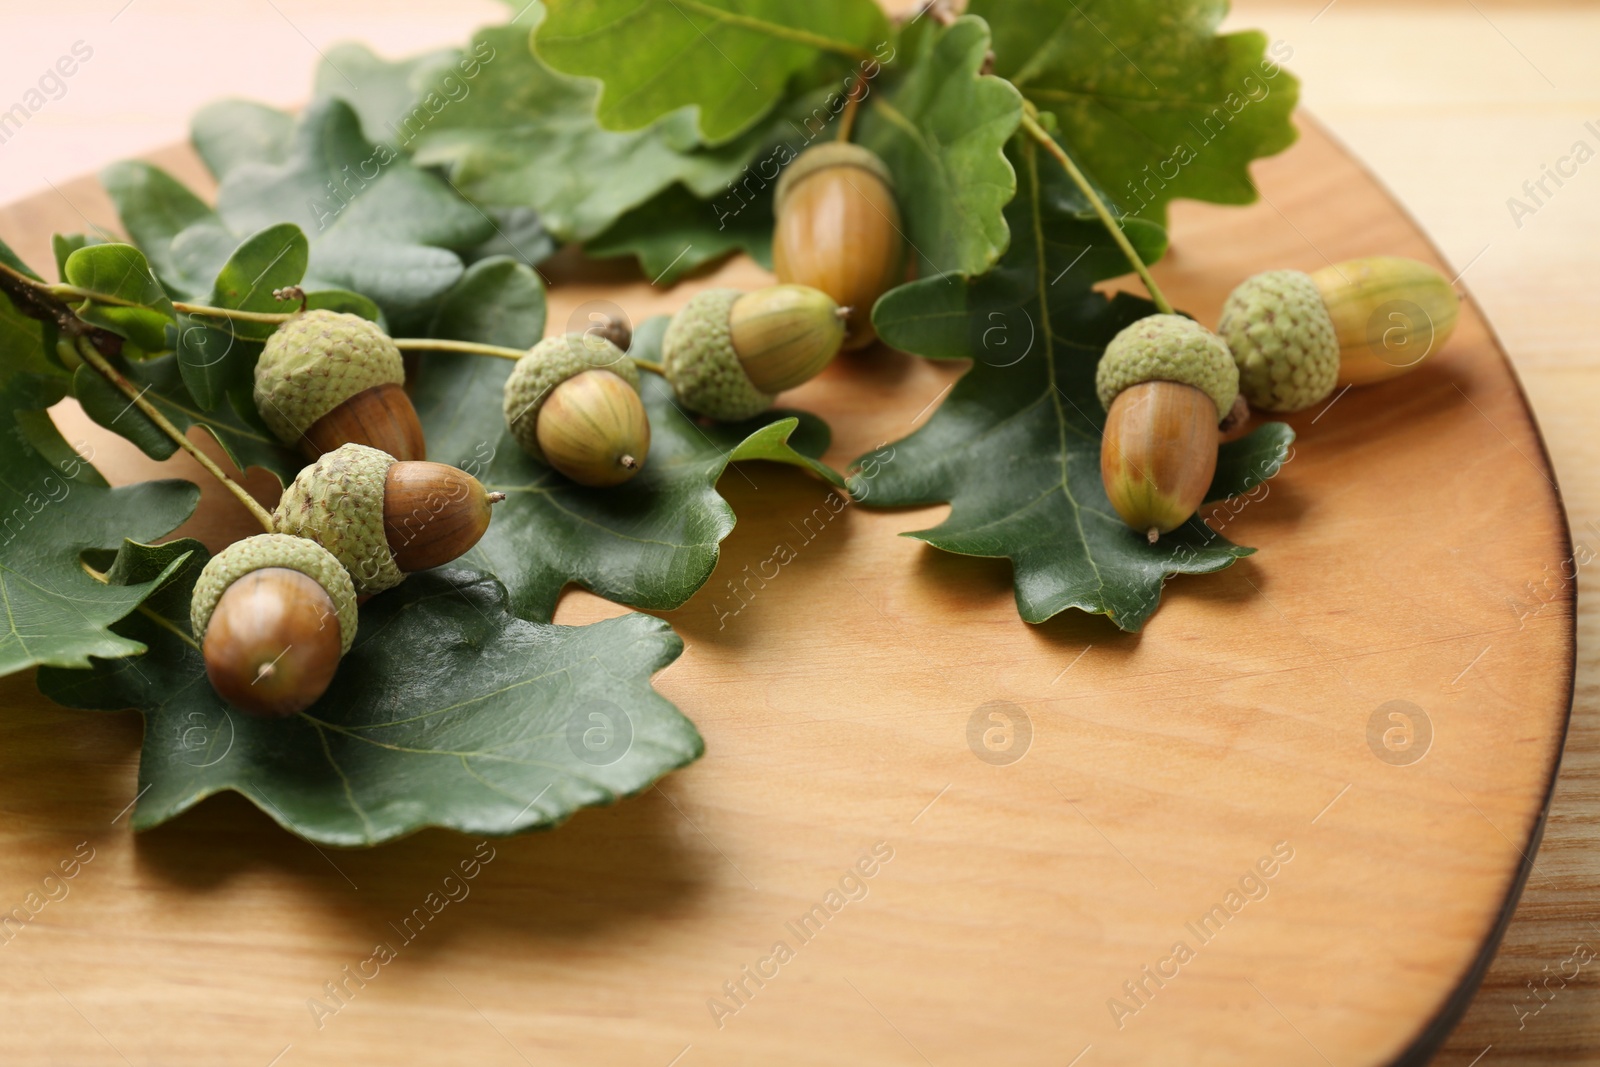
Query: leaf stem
(473,348)
(73,292)
(169,626)
(847,121)
(135,396)
(1040,134)
(144,609)
(201,310)
(468,348)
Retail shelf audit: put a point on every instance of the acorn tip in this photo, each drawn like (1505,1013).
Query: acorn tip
(1153,534)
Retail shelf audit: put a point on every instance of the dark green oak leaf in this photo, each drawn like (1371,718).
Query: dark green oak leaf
(395,98)
(216,356)
(522,141)
(54,508)
(233,422)
(1015,448)
(208,356)
(942,129)
(1149,99)
(135,305)
(155,207)
(650,543)
(23,338)
(730,59)
(449,711)
(231,133)
(526,136)
(498,301)
(518,233)
(377,224)
(677,233)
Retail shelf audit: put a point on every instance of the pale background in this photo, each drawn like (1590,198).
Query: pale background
(1453,103)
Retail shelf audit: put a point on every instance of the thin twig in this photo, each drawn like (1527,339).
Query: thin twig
(469,348)
(268,317)
(76,292)
(102,365)
(847,121)
(1040,134)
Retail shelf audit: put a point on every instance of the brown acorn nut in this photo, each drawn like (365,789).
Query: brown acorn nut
(1166,382)
(1158,454)
(839,231)
(573,403)
(274,614)
(327,379)
(383,518)
(433,513)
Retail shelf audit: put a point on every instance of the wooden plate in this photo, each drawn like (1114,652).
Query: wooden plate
(976,841)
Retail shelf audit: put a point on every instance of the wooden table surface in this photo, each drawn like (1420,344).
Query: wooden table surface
(1454,105)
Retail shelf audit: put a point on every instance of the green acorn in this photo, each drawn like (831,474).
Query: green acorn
(1282,340)
(839,230)
(327,379)
(274,615)
(728,354)
(573,403)
(1165,382)
(383,518)
(1298,336)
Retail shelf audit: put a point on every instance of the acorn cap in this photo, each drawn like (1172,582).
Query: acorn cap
(830,154)
(700,361)
(338,503)
(548,364)
(1168,348)
(316,361)
(1283,340)
(274,550)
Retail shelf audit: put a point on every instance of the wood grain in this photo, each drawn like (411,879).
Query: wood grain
(1007,903)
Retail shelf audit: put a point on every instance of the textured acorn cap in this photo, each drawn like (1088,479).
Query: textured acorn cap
(1283,340)
(700,361)
(338,503)
(1168,348)
(315,362)
(274,550)
(548,364)
(826,155)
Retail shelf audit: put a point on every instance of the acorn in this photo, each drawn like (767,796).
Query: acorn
(274,615)
(839,231)
(1166,383)
(729,354)
(1389,313)
(1297,337)
(327,379)
(385,518)
(573,403)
